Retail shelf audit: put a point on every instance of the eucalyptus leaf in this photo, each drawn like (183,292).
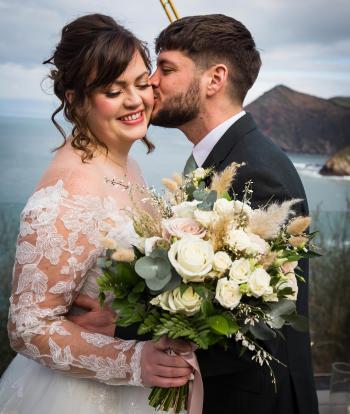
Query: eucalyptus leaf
(174,281)
(159,252)
(199,195)
(277,322)
(152,267)
(283,307)
(298,322)
(262,331)
(208,203)
(156,284)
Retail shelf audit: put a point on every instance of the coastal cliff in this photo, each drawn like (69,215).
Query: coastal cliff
(302,123)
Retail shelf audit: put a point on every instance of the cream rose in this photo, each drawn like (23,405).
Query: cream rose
(222,261)
(227,293)
(188,303)
(192,258)
(259,283)
(239,240)
(240,270)
(185,209)
(206,218)
(181,227)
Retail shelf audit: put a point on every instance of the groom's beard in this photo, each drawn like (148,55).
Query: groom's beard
(179,109)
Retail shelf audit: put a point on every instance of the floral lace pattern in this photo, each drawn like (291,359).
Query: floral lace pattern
(57,248)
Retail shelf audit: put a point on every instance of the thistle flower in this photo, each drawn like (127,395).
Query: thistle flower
(221,182)
(298,225)
(267,223)
(123,255)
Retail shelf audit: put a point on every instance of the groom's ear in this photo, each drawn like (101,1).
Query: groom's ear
(216,78)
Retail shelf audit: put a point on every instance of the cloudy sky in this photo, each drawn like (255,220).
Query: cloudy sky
(305,44)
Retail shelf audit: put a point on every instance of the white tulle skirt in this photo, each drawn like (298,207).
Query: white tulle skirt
(27,387)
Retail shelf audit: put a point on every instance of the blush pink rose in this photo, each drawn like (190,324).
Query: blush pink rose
(180,227)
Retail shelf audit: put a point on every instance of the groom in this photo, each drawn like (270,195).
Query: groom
(205,67)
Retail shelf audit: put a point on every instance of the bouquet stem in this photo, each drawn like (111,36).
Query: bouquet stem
(166,399)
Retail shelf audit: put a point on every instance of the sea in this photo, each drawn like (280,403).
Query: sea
(26,146)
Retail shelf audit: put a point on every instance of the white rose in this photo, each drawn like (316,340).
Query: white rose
(239,240)
(181,227)
(192,258)
(223,206)
(188,303)
(222,261)
(206,218)
(259,283)
(185,209)
(227,293)
(198,173)
(149,244)
(240,270)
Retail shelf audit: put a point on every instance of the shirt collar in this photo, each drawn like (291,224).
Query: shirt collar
(204,147)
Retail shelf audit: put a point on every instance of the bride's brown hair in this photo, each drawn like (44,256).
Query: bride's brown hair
(93,51)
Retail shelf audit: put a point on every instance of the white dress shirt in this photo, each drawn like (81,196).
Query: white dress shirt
(204,147)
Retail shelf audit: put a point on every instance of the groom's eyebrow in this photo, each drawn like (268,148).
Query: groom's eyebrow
(123,83)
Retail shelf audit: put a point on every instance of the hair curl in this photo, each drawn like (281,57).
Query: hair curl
(93,51)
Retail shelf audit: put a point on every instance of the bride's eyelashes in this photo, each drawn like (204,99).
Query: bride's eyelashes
(114,94)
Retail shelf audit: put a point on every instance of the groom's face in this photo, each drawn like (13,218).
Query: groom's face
(176,87)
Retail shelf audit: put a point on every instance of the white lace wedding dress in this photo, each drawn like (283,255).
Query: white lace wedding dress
(62,368)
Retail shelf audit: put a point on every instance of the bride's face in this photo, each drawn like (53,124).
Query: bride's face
(120,114)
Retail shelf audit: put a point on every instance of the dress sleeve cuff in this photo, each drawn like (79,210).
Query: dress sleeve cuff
(135,365)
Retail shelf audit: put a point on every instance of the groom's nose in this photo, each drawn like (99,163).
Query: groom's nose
(154,79)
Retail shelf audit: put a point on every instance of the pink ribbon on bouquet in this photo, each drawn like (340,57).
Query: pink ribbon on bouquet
(196,392)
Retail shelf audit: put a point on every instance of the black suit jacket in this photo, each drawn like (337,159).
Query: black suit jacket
(238,385)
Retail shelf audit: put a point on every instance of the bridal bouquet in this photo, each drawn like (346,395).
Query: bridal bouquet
(209,269)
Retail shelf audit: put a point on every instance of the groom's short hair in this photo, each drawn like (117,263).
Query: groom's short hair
(212,39)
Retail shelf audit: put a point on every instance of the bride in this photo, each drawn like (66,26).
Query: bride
(101,78)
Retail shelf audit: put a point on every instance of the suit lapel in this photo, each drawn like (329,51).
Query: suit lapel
(229,140)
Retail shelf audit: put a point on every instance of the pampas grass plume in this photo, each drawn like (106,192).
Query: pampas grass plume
(267,223)
(298,225)
(221,182)
(170,184)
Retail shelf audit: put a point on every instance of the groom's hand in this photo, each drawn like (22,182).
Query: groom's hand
(95,319)
(160,369)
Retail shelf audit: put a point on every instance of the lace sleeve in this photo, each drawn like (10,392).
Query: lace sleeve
(57,245)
